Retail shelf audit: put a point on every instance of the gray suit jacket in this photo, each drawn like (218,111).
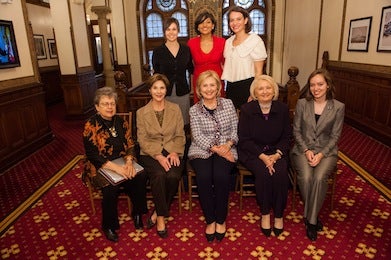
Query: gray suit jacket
(322,136)
(153,138)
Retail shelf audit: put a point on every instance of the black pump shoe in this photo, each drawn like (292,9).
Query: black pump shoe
(311,232)
(266,231)
(162,233)
(278,231)
(138,221)
(150,223)
(220,236)
(319,224)
(111,234)
(210,237)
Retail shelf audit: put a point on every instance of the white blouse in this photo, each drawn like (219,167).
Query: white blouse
(239,60)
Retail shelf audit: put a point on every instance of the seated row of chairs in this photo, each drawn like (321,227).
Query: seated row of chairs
(243,185)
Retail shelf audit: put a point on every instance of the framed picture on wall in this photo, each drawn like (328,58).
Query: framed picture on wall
(52,48)
(39,43)
(359,32)
(384,41)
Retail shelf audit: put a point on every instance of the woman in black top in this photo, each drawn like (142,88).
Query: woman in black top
(107,137)
(174,61)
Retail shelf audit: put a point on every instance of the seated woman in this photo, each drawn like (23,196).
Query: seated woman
(107,137)
(213,123)
(264,134)
(162,142)
(317,127)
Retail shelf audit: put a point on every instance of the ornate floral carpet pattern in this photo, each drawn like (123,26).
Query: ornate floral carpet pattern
(60,225)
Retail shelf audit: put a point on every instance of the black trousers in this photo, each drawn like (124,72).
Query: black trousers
(135,189)
(271,190)
(164,185)
(239,91)
(213,177)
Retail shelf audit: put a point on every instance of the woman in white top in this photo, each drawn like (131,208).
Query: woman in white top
(244,54)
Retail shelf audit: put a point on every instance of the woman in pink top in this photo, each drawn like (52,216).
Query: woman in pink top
(206,49)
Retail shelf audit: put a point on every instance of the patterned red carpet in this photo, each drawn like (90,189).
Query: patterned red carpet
(61,226)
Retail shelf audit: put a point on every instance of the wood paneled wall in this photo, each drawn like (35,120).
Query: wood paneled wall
(366,91)
(24,126)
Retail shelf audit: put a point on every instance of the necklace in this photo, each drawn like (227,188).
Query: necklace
(112,129)
(265,107)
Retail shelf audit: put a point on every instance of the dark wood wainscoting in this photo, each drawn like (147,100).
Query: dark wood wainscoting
(24,126)
(366,91)
(50,77)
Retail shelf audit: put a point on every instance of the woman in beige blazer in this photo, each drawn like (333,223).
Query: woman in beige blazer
(317,127)
(162,142)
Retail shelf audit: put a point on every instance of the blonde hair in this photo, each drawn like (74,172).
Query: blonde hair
(203,76)
(269,80)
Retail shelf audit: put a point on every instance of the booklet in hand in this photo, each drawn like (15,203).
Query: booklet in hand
(115,178)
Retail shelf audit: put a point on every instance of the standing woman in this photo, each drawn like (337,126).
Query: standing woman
(264,134)
(107,137)
(206,49)
(317,127)
(162,142)
(244,54)
(174,61)
(213,123)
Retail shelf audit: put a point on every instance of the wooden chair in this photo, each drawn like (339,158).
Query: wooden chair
(192,185)
(331,185)
(96,194)
(246,189)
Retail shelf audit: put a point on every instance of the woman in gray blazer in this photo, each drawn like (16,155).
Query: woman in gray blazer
(162,142)
(317,127)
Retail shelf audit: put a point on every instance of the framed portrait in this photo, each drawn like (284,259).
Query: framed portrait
(9,57)
(39,43)
(359,32)
(52,48)
(384,41)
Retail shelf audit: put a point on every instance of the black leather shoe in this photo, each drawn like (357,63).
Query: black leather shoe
(277,231)
(162,233)
(138,221)
(266,231)
(311,232)
(111,235)
(220,236)
(319,224)
(210,237)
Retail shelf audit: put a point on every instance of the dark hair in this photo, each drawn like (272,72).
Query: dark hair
(156,77)
(170,21)
(245,14)
(327,77)
(105,91)
(201,18)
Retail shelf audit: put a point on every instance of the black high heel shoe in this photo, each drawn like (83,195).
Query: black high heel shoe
(266,231)
(162,233)
(312,232)
(138,221)
(210,237)
(150,223)
(278,231)
(219,236)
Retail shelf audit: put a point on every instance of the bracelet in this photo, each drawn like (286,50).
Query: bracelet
(279,152)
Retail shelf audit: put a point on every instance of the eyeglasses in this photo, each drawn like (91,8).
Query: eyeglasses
(107,104)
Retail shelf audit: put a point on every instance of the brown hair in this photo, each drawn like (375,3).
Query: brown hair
(156,77)
(245,14)
(327,77)
(170,21)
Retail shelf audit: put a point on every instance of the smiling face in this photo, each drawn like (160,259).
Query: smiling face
(158,91)
(264,92)
(318,87)
(209,89)
(237,22)
(206,27)
(106,107)
(171,33)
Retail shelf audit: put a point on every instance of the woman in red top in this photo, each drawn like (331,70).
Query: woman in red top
(206,49)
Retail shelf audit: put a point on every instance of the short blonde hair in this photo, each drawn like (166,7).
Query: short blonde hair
(204,75)
(269,80)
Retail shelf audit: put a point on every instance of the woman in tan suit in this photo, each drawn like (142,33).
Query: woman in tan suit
(162,142)
(317,127)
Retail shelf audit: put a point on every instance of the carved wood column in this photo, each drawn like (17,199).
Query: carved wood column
(102,11)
